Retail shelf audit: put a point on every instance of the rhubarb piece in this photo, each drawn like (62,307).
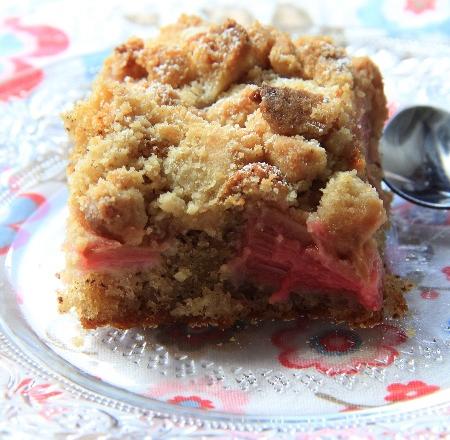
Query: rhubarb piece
(222,173)
(112,255)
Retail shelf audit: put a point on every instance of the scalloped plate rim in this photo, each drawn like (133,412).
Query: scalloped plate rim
(416,407)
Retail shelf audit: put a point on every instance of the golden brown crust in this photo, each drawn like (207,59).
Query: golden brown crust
(347,196)
(289,112)
(256,181)
(297,158)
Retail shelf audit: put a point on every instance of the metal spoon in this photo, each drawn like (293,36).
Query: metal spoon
(415,151)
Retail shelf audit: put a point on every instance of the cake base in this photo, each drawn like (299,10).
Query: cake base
(219,309)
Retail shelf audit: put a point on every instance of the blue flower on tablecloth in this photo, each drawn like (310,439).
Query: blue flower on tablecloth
(407,17)
(447,327)
(13,215)
(10,45)
(93,62)
(7,234)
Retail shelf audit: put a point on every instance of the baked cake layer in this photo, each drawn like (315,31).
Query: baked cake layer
(222,173)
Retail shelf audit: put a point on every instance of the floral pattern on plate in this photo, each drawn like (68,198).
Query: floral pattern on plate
(334,350)
(201,394)
(408,391)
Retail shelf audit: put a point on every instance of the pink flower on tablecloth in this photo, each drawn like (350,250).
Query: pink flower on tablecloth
(192,402)
(446,272)
(336,350)
(50,412)
(417,215)
(420,216)
(429,294)
(18,44)
(19,297)
(200,393)
(392,109)
(420,6)
(410,390)
(38,393)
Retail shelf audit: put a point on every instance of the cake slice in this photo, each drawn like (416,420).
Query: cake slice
(222,173)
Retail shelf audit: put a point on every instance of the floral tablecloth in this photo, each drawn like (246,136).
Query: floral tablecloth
(35,34)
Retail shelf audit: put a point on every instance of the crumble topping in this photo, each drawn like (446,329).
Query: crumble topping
(172,123)
(291,112)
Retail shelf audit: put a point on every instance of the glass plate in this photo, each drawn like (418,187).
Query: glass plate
(283,376)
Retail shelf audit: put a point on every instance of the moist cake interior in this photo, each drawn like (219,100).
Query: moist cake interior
(222,173)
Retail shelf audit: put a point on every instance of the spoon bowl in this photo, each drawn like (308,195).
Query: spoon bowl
(415,151)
